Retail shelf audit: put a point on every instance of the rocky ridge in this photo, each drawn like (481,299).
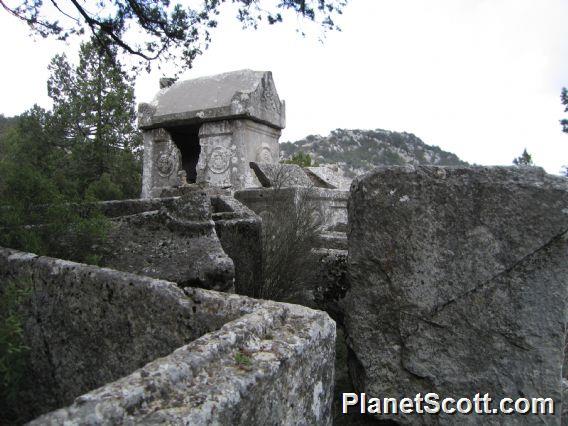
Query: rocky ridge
(358,151)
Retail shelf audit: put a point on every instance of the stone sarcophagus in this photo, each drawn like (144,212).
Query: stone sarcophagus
(208,130)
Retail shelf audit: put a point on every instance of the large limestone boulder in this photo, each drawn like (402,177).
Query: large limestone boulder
(459,283)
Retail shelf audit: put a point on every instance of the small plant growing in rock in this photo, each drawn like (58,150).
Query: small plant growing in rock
(243,360)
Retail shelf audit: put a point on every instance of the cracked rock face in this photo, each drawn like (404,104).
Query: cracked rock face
(458,285)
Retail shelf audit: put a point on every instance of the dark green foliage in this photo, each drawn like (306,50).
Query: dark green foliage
(35,216)
(5,124)
(357,151)
(525,159)
(94,105)
(164,31)
(86,150)
(301,159)
(243,359)
(38,210)
(103,189)
(13,351)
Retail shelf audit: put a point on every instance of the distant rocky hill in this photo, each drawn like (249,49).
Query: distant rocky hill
(357,151)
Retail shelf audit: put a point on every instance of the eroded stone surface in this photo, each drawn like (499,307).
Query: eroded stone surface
(153,252)
(90,325)
(161,163)
(227,148)
(177,243)
(86,326)
(240,231)
(458,284)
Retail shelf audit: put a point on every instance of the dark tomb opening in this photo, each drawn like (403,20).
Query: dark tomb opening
(186,139)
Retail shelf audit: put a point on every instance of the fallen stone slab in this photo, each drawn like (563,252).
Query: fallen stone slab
(458,285)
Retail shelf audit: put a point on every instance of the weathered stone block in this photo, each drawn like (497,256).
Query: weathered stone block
(240,231)
(148,243)
(161,164)
(227,148)
(238,360)
(177,243)
(458,285)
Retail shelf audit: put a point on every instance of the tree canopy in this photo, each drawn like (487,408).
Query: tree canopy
(93,103)
(165,30)
(52,162)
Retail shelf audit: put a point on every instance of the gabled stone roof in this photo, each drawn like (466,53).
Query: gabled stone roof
(237,94)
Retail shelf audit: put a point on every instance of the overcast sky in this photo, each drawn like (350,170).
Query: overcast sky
(480,78)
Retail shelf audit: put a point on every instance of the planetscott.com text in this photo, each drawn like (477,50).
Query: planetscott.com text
(432,403)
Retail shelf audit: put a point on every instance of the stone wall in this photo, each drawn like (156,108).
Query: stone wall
(238,360)
(458,285)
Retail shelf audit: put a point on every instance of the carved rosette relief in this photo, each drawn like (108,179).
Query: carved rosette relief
(167,161)
(219,160)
